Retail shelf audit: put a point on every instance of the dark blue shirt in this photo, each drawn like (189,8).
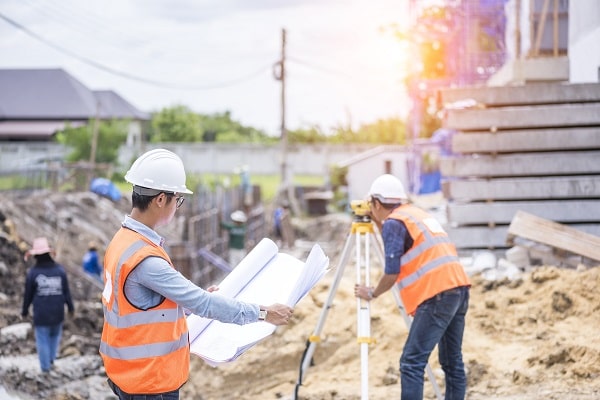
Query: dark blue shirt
(47,288)
(396,242)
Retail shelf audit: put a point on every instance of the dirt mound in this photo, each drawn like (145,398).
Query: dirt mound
(534,337)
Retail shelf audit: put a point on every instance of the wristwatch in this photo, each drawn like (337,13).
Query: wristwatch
(262,315)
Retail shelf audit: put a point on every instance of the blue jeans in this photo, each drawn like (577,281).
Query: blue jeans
(47,341)
(439,320)
(174,395)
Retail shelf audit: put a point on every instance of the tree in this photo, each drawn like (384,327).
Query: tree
(391,130)
(180,124)
(176,124)
(220,127)
(310,135)
(111,135)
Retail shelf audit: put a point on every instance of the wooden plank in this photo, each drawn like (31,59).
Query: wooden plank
(544,116)
(527,140)
(539,93)
(522,164)
(502,212)
(570,187)
(557,235)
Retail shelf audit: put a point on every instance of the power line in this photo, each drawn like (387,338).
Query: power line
(92,26)
(79,23)
(126,75)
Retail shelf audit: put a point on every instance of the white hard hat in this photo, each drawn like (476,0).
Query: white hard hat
(158,169)
(388,189)
(238,216)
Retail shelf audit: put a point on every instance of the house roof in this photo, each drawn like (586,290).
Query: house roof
(114,106)
(32,130)
(54,94)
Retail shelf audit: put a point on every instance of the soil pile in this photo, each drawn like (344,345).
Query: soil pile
(535,337)
(531,338)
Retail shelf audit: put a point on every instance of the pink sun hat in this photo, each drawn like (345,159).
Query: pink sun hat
(40,246)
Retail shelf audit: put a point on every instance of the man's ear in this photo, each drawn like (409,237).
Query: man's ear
(161,200)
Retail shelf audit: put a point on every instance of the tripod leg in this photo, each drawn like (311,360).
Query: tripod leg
(311,343)
(363,313)
(408,323)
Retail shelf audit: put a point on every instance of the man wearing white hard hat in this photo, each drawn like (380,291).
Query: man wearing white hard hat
(422,263)
(145,344)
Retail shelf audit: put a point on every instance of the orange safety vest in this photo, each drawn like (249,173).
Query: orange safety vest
(144,351)
(431,265)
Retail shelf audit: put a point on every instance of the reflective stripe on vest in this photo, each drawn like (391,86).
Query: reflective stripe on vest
(429,242)
(131,250)
(147,350)
(143,317)
(431,265)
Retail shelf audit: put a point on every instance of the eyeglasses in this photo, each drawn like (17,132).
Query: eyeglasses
(179,199)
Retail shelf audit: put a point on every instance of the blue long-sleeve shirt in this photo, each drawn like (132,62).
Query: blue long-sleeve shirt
(396,242)
(154,279)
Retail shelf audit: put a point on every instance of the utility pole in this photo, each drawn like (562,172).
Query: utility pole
(284,138)
(94,145)
(286,189)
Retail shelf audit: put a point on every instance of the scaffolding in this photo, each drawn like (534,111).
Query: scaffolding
(458,43)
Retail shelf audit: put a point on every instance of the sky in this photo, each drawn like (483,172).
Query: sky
(344,66)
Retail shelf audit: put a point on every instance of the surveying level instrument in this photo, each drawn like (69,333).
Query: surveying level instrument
(362,236)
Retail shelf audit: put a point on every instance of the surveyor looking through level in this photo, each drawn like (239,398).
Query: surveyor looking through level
(423,264)
(145,345)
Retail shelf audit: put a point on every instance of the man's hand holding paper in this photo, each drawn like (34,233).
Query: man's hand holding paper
(278,314)
(264,276)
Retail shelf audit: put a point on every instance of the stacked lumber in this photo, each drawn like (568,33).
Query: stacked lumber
(533,148)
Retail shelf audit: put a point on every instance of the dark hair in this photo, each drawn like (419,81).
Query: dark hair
(43,258)
(142,202)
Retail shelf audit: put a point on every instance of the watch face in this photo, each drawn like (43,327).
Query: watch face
(262,315)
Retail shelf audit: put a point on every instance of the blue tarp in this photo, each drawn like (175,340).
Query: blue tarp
(430,182)
(106,188)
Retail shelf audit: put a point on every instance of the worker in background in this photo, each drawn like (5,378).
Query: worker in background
(422,263)
(237,237)
(145,344)
(47,287)
(277,218)
(91,263)
(246,186)
(282,228)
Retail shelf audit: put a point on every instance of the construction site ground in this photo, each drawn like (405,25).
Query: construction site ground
(532,337)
